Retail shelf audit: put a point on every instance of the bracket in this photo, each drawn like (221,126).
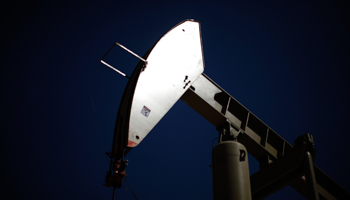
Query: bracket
(126,49)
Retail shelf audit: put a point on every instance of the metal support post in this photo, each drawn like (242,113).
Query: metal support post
(310,177)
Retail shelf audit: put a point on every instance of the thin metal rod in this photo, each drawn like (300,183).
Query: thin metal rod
(113,197)
(110,66)
(126,49)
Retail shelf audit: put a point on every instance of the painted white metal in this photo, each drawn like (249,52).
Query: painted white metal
(174,63)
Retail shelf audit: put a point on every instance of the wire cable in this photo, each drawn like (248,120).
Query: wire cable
(130,188)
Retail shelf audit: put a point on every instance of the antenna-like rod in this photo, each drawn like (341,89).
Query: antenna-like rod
(110,66)
(128,50)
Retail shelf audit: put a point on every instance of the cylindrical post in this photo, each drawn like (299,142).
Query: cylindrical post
(230,169)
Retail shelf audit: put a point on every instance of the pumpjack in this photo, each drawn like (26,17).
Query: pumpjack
(173,69)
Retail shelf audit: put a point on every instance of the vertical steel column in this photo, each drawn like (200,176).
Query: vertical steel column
(230,169)
(310,177)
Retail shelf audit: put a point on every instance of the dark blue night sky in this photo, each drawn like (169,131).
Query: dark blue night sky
(288,63)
